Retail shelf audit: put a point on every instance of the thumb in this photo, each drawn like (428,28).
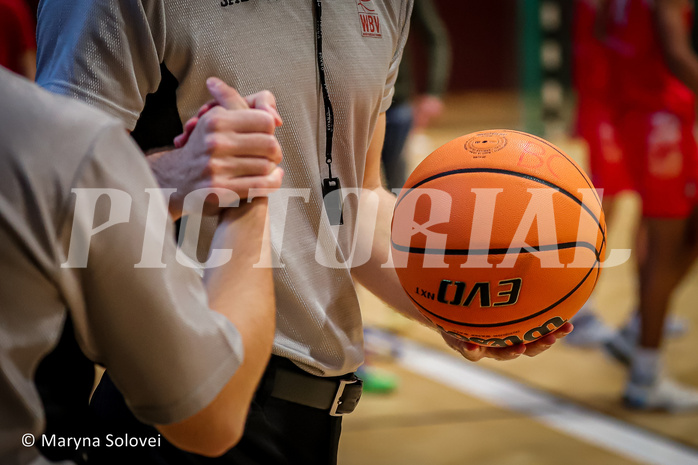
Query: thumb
(225,95)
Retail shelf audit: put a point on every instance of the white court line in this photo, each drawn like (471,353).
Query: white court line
(590,426)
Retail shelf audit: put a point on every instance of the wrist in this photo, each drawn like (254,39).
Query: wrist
(159,163)
(248,208)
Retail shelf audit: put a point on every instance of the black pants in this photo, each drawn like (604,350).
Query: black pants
(277,432)
(64,379)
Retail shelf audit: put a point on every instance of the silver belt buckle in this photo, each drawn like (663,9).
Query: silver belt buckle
(337,398)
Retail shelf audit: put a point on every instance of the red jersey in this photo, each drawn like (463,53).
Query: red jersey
(639,75)
(591,64)
(17,33)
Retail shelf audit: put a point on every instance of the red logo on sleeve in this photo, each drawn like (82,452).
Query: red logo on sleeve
(370,22)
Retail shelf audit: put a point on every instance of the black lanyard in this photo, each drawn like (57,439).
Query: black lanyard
(331,188)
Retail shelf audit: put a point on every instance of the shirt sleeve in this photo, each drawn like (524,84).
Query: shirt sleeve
(389,89)
(104,52)
(151,327)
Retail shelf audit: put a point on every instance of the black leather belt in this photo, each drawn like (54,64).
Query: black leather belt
(338,395)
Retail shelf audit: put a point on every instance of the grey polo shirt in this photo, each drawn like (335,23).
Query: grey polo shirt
(111,53)
(168,353)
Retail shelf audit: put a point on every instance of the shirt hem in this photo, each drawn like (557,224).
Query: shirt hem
(129,118)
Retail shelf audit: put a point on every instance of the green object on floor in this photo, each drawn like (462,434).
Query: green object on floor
(377,381)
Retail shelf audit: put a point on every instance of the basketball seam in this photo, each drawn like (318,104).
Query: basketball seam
(497,251)
(507,323)
(508,173)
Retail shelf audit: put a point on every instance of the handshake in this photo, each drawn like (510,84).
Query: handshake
(228,148)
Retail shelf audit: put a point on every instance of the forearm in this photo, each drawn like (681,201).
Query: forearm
(243,290)
(382,280)
(243,293)
(675,40)
(683,63)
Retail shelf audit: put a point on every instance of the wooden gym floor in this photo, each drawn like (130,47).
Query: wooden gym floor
(562,407)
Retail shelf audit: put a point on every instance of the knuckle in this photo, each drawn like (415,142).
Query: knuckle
(215,166)
(273,181)
(213,119)
(210,144)
(211,122)
(275,184)
(267,96)
(271,146)
(213,144)
(266,123)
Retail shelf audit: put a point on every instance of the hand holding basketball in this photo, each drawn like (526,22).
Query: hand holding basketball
(498,238)
(474,352)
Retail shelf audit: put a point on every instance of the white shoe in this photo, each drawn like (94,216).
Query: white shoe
(589,331)
(664,395)
(621,344)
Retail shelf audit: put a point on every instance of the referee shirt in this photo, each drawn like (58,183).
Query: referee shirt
(113,53)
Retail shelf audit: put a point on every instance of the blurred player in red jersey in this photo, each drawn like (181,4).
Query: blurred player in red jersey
(591,76)
(17,38)
(654,117)
(608,165)
(593,124)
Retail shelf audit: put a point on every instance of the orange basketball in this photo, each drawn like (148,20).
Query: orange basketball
(497,237)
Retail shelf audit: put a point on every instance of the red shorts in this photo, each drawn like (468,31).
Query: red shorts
(663,158)
(606,164)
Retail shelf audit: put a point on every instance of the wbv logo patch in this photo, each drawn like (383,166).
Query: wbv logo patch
(368,16)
